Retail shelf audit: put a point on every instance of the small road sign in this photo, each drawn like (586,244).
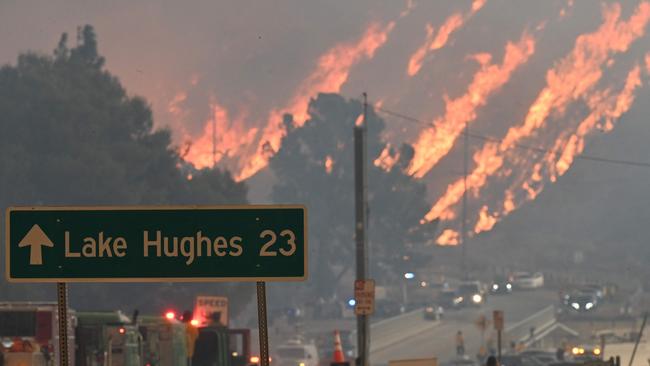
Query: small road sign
(156,244)
(207,308)
(497,318)
(364,296)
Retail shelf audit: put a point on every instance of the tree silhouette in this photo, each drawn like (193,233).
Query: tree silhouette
(71,135)
(396,201)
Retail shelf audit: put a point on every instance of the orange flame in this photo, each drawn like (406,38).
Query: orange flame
(387,159)
(572,79)
(222,137)
(435,142)
(486,221)
(605,108)
(359,121)
(329,164)
(581,70)
(436,42)
(448,237)
(331,73)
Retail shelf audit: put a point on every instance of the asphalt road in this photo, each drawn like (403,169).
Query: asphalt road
(439,341)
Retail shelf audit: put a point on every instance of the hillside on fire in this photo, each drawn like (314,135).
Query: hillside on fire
(416,165)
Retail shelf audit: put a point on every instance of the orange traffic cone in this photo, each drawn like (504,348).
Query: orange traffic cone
(338,349)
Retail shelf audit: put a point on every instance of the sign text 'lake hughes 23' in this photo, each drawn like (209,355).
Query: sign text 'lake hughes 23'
(188,243)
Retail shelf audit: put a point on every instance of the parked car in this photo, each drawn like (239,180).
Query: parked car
(527,281)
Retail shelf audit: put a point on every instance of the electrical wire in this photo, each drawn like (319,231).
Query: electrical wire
(520,146)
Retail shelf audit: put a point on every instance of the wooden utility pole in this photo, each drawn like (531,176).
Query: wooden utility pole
(361,221)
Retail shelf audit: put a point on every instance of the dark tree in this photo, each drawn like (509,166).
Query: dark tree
(71,135)
(304,175)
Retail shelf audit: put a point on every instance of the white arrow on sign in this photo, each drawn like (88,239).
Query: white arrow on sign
(35,240)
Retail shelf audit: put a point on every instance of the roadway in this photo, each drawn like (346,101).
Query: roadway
(438,340)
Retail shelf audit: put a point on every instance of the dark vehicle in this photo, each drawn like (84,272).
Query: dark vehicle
(544,359)
(212,347)
(433,312)
(586,353)
(537,357)
(595,290)
(501,286)
(581,302)
(529,358)
(566,363)
(512,360)
(448,299)
(471,294)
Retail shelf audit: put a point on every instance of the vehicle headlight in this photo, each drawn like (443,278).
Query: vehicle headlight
(597,351)
(477,298)
(575,350)
(509,286)
(589,305)
(301,364)
(575,305)
(495,287)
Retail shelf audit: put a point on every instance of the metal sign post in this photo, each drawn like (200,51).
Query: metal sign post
(263,326)
(62,304)
(497,319)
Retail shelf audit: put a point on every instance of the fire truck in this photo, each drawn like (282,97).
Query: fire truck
(29,333)
(29,337)
(107,339)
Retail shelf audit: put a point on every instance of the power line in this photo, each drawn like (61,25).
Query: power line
(520,146)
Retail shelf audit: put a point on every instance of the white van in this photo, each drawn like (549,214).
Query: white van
(296,353)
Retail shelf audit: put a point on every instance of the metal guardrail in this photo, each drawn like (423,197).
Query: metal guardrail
(538,321)
(391,330)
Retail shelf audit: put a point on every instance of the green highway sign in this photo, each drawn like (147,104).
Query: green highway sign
(156,244)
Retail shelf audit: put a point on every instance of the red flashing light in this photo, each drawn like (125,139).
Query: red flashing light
(170,315)
(122,330)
